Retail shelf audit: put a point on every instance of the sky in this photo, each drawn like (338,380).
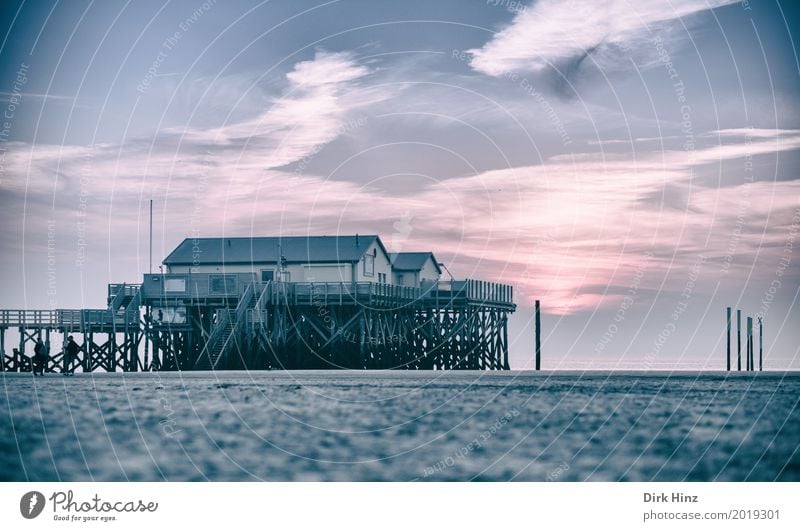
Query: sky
(633,165)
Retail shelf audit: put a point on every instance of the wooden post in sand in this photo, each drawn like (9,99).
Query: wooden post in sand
(749,343)
(538,336)
(739,340)
(760,344)
(728,312)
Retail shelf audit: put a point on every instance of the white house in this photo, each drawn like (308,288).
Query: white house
(413,269)
(359,258)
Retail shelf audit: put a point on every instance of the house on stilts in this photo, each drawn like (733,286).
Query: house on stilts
(280,302)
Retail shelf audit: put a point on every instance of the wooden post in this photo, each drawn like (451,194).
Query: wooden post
(760,344)
(749,343)
(728,312)
(538,336)
(739,340)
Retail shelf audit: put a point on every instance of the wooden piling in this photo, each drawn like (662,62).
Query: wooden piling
(728,314)
(538,336)
(760,345)
(749,343)
(738,340)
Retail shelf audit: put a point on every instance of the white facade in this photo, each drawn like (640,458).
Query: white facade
(428,272)
(382,270)
(374,266)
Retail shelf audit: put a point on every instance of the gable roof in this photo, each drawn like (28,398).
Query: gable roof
(264,249)
(412,261)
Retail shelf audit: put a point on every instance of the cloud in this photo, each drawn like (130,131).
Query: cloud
(321,94)
(553,32)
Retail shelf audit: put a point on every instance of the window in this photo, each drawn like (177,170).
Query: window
(221,284)
(369,263)
(267,275)
(175,285)
(382,278)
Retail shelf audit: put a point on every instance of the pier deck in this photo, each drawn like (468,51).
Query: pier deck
(185,322)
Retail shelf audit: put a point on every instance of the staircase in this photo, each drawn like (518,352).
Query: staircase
(229,326)
(217,342)
(124,301)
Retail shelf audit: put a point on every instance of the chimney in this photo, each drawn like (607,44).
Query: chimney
(356,239)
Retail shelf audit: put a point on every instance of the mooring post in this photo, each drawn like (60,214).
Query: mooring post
(739,340)
(760,344)
(538,336)
(749,343)
(729,338)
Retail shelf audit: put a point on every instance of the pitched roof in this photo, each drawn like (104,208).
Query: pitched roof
(412,261)
(258,249)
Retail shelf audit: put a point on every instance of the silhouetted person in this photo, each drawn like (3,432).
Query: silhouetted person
(70,355)
(39,357)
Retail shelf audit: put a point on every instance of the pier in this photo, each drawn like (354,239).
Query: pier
(388,311)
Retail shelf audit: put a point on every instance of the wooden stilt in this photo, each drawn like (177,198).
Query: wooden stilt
(728,320)
(738,340)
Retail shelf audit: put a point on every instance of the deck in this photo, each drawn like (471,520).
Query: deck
(457,293)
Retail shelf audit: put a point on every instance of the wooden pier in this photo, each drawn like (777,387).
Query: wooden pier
(189,322)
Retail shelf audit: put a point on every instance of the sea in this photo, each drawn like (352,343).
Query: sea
(401,426)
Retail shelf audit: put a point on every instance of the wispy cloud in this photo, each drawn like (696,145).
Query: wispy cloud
(17,97)
(322,93)
(552,31)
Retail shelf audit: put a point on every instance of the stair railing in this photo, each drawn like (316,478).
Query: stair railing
(223,317)
(240,319)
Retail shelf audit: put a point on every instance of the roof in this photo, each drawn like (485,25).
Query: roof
(264,249)
(412,261)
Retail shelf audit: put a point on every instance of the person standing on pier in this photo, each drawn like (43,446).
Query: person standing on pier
(39,357)
(70,354)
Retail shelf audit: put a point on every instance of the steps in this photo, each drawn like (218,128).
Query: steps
(210,356)
(221,339)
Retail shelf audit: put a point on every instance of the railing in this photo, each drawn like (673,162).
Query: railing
(44,318)
(244,302)
(482,290)
(217,333)
(70,319)
(261,302)
(471,292)
(341,293)
(119,293)
(239,323)
(132,310)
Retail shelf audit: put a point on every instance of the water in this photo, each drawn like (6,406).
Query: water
(401,426)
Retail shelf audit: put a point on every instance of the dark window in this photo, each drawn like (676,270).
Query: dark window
(222,284)
(267,275)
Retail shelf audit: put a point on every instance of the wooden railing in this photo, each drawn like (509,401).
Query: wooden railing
(35,318)
(217,335)
(68,319)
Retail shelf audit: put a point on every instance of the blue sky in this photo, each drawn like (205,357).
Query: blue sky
(631,164)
